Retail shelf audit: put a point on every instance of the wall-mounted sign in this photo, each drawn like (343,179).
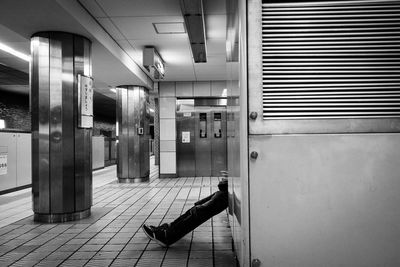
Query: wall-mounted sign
(185,137)
(187,114)
(3,164)
(85,102)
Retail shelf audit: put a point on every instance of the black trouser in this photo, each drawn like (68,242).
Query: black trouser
(195,216)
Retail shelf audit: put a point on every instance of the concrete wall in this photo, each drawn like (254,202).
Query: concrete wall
(168,93)
(14,110)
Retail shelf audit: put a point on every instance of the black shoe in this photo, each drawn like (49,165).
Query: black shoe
(154,234)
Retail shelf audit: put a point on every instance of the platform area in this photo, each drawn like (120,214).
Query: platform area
(112,235)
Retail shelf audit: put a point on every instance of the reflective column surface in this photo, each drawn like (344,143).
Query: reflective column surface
(133,119)
(61,151)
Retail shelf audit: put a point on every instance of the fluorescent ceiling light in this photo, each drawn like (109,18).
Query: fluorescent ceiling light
(113,90)
(169,27)
(14,52)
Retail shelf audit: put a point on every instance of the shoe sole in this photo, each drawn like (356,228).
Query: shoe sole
(154,239)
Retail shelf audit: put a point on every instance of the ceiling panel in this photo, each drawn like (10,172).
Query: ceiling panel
(176,54)
(142,27)
(215,26)
(215,7)
(108,69)
(179,73)
(6,35)
(133,52)
(140,7)
(110,28)
(215,60)
(93,7)
(174,51)
(216,47)
(210,72)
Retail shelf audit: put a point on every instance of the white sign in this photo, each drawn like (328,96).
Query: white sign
(3,164)
(85,101)
(185,137)
(187,114)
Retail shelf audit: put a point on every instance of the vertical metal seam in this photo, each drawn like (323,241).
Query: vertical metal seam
(49,117)
(74,120)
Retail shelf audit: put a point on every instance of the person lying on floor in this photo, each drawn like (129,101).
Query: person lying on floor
(168,233)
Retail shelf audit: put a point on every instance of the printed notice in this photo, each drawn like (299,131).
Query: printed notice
(3,164)
(85,101)
(185,137)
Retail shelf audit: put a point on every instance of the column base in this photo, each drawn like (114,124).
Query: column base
(133,180)
(58,218)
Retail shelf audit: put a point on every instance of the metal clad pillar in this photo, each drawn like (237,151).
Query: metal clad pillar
(61,151)
(133,134)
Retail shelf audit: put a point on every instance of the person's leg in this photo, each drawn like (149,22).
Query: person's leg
(196,216)
(168,234)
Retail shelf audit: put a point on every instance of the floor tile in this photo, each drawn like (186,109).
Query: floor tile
(112,235)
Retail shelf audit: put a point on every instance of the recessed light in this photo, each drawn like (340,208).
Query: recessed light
(169,27)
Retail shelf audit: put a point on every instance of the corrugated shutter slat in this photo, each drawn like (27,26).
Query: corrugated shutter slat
(331,59)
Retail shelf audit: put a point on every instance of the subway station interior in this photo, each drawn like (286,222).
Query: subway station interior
(120,113)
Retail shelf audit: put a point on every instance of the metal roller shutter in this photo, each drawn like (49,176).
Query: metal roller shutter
(331,59)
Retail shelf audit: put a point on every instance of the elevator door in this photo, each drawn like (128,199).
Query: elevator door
(185,125)
(203,134)
(210,140)
(201,139)
(218,141)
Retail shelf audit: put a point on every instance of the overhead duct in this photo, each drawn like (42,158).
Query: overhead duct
(192,11)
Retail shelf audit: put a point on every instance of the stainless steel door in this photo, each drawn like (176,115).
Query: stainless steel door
(218,141)
(203,134)
(201,138)
(185,125)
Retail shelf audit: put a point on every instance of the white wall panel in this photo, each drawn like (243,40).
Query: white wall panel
(167,107)
(24,162)
(97,152)
(167,146)
(167,129)
(202,88)
(217,88)
(184,89)
(166,89)
(168,160)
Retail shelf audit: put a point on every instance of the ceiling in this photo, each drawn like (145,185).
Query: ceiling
(119,30)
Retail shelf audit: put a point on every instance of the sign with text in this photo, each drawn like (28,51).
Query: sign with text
(185,137)
(3,164)
(85,101)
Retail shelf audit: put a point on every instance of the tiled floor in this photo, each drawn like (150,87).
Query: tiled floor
(112,235)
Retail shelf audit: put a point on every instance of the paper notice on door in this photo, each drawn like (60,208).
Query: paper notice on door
(3,164)
(185,137)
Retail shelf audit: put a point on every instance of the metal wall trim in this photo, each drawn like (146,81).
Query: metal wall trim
(358,73)
(351,83)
